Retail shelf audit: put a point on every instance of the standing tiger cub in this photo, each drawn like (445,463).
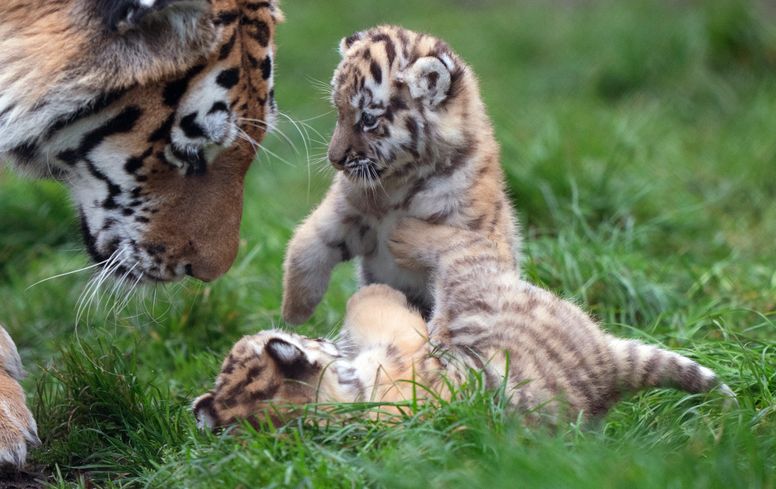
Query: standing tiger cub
(412,140)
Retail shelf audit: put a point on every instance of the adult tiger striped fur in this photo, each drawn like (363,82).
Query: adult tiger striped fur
(140,107)
(551,359)
(412,139)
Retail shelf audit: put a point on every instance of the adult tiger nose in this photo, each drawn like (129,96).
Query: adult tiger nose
(208,261)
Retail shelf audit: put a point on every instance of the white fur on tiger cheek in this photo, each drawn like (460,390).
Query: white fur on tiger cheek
(271,110)
(218,126)
(19,122)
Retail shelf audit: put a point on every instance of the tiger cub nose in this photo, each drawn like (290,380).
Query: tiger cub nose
(338,159)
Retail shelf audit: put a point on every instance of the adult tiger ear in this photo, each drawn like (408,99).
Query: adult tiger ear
(125,15)
(429,78)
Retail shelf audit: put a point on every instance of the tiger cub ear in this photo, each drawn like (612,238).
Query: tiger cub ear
(347,42)
(291,360)
(204,411)
(124,15)
(429,78)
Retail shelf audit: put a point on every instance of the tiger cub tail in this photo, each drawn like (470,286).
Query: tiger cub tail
(640,366)
(469,273)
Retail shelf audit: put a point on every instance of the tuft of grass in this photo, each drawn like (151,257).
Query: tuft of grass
(97,415)
(637,139)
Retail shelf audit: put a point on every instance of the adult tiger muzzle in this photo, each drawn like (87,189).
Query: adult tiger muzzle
(200,224)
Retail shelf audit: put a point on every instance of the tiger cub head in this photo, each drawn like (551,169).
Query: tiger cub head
(406,104)
(267,377)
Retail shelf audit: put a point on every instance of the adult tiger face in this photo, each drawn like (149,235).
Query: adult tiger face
(149,111)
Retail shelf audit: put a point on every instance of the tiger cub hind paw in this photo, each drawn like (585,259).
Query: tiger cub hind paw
(18,430)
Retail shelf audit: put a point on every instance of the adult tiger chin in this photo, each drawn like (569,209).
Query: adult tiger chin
(138,111)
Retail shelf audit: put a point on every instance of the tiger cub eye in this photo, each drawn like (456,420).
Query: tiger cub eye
(368,121)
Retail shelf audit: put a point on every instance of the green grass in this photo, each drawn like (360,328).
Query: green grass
(639,142)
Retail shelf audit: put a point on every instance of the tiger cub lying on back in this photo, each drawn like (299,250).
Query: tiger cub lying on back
(551,358)
(412,139)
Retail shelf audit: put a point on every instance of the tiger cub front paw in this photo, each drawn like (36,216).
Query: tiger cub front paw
(18,430)
(297,309)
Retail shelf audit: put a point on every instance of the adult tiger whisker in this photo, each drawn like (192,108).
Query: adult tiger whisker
(316,117)
(303,123)
(258,146)
(128,295)
(271,129)
(93,287)
(323,87)
(121,283)
(65,274)
(82,299)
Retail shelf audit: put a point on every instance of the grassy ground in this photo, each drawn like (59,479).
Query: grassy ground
(639,142)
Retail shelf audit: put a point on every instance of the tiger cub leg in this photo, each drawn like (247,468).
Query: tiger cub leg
(17,426)
(379,314)
(319,244)
(387,342)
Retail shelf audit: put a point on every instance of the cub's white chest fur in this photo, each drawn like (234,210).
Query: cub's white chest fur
(439,199)
(379,266)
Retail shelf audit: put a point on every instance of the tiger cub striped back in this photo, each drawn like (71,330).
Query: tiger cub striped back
(550,353)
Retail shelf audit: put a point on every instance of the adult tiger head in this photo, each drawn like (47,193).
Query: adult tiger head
(149,110)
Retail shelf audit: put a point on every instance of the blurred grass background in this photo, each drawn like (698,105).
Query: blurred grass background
(639,140)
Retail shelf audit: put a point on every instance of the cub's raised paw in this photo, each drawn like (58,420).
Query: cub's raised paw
(297,310)
(18,430)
